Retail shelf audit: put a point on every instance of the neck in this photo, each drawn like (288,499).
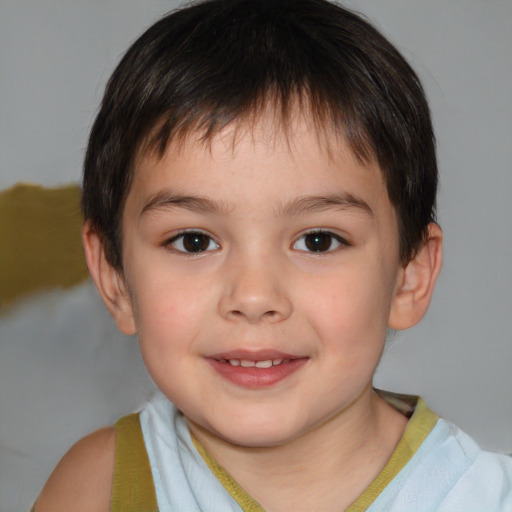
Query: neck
(325,469)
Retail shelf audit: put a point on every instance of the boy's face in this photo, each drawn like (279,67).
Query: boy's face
(266,253)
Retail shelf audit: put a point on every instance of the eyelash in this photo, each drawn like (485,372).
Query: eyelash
(180,239)
(324,239)
(322,236)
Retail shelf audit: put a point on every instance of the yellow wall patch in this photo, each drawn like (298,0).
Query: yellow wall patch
(40,242)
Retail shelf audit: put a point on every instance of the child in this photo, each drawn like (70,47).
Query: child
(259,200)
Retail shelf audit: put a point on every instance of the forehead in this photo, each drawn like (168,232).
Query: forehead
(294,156)
(274,119)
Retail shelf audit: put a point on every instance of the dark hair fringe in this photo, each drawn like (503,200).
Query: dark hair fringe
(220,62)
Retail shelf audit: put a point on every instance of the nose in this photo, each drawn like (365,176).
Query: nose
(255,290)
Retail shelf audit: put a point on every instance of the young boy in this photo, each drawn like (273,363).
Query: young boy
(259,200)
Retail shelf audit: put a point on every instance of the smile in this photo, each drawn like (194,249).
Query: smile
(256,370)
(245,363)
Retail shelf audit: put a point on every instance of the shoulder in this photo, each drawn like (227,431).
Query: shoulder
(83,478)
(486,482)
(452,469)
(449,472)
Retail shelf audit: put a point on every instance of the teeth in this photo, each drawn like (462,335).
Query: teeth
(245,363)
(264,364)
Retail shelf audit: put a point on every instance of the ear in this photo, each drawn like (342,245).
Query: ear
(108,280)
(417,280)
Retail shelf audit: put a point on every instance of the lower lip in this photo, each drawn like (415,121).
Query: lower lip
(255,378)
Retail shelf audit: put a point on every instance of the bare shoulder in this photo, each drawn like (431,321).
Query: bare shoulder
(83,478)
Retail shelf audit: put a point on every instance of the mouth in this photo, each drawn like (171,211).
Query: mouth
(256,369)
(247,363)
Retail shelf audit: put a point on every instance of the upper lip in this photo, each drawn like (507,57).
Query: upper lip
(256,355)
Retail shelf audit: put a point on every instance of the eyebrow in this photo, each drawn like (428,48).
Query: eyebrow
(300,205)
(321,203)
(168,199)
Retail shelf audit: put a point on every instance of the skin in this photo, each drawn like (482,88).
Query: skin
(255,201)
(82,481)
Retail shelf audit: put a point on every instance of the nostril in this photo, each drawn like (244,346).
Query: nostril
(253,315)
(250,306)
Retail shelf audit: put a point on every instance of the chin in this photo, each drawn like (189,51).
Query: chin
(256,434)
(255,440)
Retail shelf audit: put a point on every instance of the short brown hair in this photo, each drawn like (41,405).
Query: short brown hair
(219,61)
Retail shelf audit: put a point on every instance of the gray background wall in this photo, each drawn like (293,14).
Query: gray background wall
(64,370)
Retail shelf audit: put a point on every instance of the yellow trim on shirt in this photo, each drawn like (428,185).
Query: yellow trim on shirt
(132,488)
(245,501)
(422,421)
(418,428)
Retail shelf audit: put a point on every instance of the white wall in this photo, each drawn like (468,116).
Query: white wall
(63,368)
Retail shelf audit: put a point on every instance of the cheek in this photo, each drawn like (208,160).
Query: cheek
(351,314)
(169,319)
(168,311)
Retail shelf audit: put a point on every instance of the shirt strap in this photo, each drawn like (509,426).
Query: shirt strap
(132,489)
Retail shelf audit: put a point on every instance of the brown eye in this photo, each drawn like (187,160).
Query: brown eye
(193,242)
(319,241)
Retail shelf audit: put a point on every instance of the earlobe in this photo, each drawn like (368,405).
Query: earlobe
(108,280)
(417,280)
